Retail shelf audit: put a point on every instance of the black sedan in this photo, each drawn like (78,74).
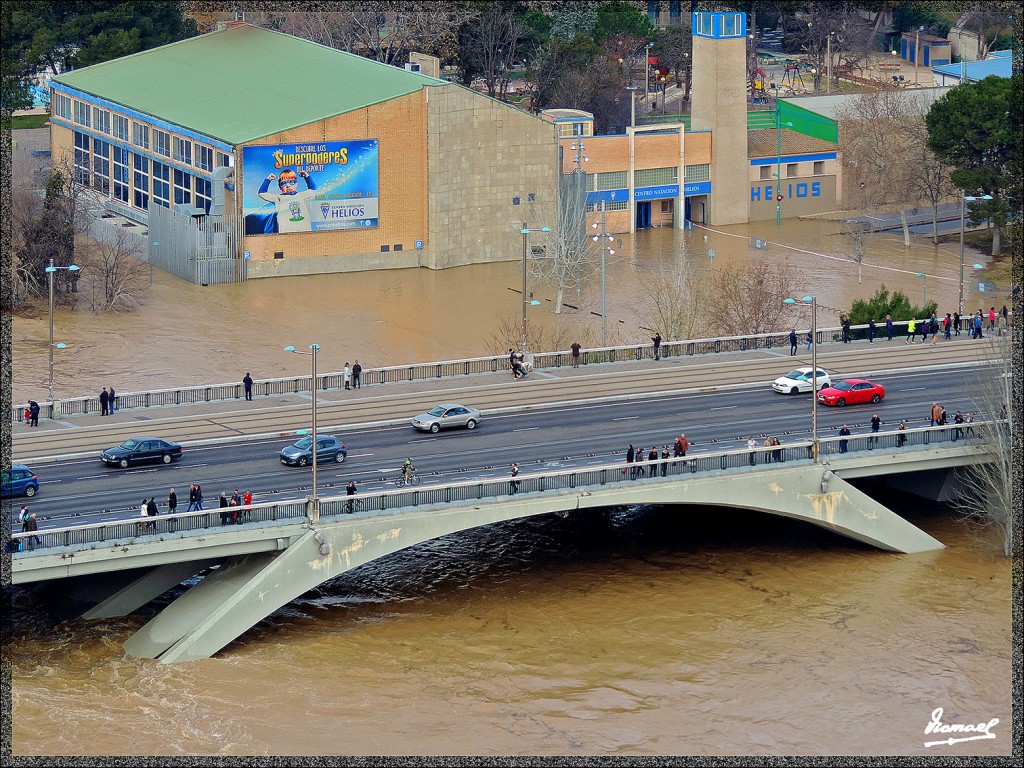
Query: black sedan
(138,450)
(328,448)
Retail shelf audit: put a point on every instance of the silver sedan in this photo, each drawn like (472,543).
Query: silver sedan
(446,416)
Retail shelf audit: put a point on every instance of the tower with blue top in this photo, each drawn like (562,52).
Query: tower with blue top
(720,106)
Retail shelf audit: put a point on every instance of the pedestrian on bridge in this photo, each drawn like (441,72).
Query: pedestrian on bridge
(901,439)
(911,331)
(956,323)
(888,327)
(33,413)
(113,400)
(357,376)
(656,338)
(350,490)
(247,501)
(752,444)
(104,402)
(224,514)
(513,484)
(144,513)
(575,347)
(191,498)
(871,330)
(31,526)
(876,424)
(652,461)
(172,502)
(792,343)
(947,326)
(346,375)
(247,383)
(936,413)
(844,445)
(810,340)
(199,497)
(933,328)
(664,461)
(151,509)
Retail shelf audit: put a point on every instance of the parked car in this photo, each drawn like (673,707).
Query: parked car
(19,480)
(851,392)
(138,450)
(446,416)
(300,454)
(799,380)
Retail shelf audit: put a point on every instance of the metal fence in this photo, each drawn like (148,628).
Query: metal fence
(211,393)
(138,529)
(200,249)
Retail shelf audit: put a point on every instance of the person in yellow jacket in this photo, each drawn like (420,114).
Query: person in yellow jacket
(911,330)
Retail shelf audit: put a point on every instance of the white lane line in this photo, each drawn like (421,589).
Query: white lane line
(525,429)
(723,407)
(914,389)
(625,418)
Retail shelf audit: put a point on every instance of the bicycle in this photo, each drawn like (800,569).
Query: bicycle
(411,479)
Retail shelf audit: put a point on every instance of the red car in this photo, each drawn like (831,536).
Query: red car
(851,392)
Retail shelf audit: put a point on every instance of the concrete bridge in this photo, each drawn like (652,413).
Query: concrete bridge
(285,549)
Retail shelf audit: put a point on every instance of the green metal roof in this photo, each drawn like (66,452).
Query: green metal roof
(245,82)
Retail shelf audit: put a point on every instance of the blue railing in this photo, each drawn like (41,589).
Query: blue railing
(141,529)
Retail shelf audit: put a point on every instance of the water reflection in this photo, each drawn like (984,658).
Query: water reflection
(187,334)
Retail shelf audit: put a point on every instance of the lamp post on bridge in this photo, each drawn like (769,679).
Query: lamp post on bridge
(526,231)
(314,502)
(50,270)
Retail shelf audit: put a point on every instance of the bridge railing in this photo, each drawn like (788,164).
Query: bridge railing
(212,393)
(139,529)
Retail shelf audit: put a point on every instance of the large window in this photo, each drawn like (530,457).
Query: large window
(612,180)
(610,205)
(162,184)
(121,127)
(650,177)
(695,173)
(62,105)
(83,172)
(140,182)
(161,143)
(140,135)
(182,150)
(182,188)
(101,120)
(101,166)
(120,173)
(204,157)
(203,197)
(82,113)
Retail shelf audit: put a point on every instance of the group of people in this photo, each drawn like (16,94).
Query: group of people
(352,376)
(518,366)
(235,509)
(108,401)
(29,524)
(32,414)
(645,464)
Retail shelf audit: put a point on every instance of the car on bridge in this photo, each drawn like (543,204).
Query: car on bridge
(300,454)
(799,380)
(139,450)
(446,416)
(19,480)
(851,392)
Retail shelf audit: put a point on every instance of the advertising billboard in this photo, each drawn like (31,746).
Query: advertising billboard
(310,187)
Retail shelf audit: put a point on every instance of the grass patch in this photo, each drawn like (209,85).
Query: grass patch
(28,121)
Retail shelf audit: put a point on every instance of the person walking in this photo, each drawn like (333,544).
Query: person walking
(247,383)
(810,340)
(199,497)
(172,502)
(684,446)
(933,328)
(888,327)
(104,402)
(346,375)
(191,498)
(977,325)
(871,330)
(630,456)
(911,331)
(956,323)
(958,419)
(575,347)
(925,328)
(656,338)
(513,484)
(844,444)
(947,326)
(664,461)
(31,526)
(357,375)
(876,424)
(936,413)
(151,509)
(992,318)
(792,342)
(112,400)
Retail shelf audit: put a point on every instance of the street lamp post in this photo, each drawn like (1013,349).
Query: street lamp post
(647,71)
(50,270)
(314,502)
(924,285)
(605,238)
(813,302)
(964,199)
(525,231)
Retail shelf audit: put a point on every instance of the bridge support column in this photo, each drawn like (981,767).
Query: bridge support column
(149,586)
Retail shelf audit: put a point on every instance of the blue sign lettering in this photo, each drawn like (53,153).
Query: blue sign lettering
(801,189)
(815,189)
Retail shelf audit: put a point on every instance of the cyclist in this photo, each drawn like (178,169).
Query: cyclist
(407,470)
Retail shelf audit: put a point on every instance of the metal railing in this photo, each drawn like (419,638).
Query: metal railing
(212,393)
(140,529)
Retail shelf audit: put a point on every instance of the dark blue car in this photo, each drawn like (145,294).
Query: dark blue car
(19,480)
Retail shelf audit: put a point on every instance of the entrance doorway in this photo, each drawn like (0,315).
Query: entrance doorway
(643,215)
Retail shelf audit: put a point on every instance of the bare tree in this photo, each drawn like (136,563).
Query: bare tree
(748,299)
(674,307)
(113,278)
(988,20)
(876,148)
(491,44)
(567,262)
(811,32)
(928,175)
(986,497)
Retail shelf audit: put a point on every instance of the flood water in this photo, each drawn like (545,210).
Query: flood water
(187,334)
(629,632)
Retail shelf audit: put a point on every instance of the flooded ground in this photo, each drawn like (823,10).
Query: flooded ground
(187,334)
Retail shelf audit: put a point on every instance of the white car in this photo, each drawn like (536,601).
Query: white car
(799,380)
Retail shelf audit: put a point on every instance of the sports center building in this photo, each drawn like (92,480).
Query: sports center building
(251,153)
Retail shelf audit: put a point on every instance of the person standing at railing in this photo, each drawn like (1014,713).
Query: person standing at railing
(664,461)
(777,453)
(513,484)
(247,383)
(630,467)
(751,445)
(112,395)
(33,413)
(247,501)
(876,424)
(350,491)
(871,330)
(656,338)
(901,439)
(575,347)
(958,419)
(888,327)
(346,375)
(652,462)
(810,340)
(104,402)
(357,375)
(844,445)
(144,513)
(225,516)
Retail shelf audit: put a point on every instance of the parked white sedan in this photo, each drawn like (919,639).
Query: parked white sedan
(799,380)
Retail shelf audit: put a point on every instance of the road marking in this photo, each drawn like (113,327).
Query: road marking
(525,429)
(626,418)
(723,407)
(914,389)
